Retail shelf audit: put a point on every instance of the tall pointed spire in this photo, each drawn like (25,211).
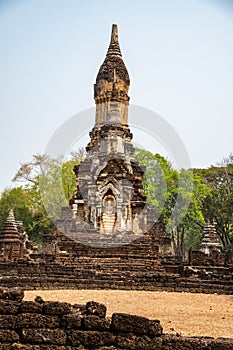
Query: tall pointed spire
(109,195)
(112,81)
(114,47)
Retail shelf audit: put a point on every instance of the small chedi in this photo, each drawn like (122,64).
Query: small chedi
(210,240)
(210,250)
(14,242)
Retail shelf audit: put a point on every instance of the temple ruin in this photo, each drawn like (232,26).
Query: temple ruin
(14,241)
(107,238)
(109,195)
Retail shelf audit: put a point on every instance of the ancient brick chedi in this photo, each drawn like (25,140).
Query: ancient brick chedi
(210,240)
(14,242)
(109,196)
(10,240)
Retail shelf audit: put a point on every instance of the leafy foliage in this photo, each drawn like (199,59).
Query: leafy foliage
(217,206)
(177,195)
(35,220)
(48,184)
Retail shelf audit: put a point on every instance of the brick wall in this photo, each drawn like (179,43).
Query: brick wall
(51,325)
(95,275)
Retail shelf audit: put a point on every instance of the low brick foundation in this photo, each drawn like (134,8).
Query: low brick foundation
(51,325)
(110,275)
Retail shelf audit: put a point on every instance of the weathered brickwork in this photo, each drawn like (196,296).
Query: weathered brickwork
(14,241)
(111,240)
(109,198)
(116,273)
(51,325)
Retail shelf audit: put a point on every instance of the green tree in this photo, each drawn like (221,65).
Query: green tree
(35,221)
(218,204)
(16,199)
(160,182)
(189,229)
(48,184)
(43,182)
(68,177)
(177,195)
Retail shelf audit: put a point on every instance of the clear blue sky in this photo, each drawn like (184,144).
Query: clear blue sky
(179,55)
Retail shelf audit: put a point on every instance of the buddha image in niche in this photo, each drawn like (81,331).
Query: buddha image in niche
(109,214)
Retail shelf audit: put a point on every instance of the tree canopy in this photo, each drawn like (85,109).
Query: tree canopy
(217,206)
(47,185)
(177,195)
(183,200)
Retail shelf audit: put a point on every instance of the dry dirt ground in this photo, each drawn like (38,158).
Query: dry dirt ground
(183,313)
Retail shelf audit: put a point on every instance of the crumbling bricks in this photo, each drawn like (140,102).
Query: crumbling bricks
(29,325)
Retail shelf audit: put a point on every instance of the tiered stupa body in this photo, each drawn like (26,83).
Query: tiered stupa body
(10,241)
(210,240)
(14,242)
(109,195)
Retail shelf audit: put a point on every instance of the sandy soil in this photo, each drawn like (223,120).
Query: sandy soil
(183,313)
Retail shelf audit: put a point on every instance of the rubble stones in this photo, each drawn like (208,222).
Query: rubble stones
(7,321)
(8,307)
(79,309)
(56,308)
(135,342)
(155,328)
(44,336)
(39,300)
(96,323)
(97,309)
(130,323)
(25,326)
(14,293)
(8,336)
(71,321)
(30,307)
(37,321)
(90,339)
